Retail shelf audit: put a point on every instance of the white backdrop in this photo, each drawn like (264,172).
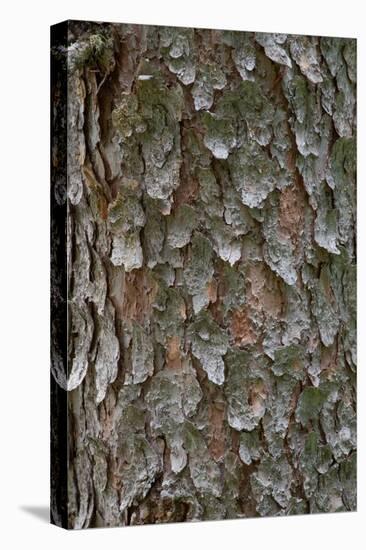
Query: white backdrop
(24,272)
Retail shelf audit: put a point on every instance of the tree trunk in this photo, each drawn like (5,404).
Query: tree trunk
(211,275)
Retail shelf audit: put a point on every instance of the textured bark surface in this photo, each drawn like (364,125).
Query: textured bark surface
(211,274)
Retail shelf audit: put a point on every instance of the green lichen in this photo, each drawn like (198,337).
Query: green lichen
(149,120)
(205,473)
(153,232)
(225,128)
(243,412)
(253,173)
(171,316)
(173,397)
(249,448)
(178,49)
(198,270)
(210,77)
(324,307)
(127,118)
(243,53)
(125,213)
(209,345)
(142,355)
(306,107)
(210,192)
(272,479)
(225,244)
(341,177)
(290,361)
(95,52)
(181,225)
(232,288)
(279,250)
(126,217)
(220,137)
(310,404)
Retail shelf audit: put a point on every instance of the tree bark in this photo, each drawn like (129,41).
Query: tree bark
(210,223)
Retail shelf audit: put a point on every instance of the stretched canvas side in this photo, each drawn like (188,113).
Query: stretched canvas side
(59,287)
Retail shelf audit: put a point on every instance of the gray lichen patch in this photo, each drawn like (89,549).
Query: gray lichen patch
(326,230)
(335,51)
(181,225)
(225,244)
(198,271)
(209,345)
(153,233)
(243,53)
(127,118)
(220,137)
(177,46)
(324,307)
(314,457)
(76,138)
(277,425)
(108,352)
(309,405)
(274,47)
(232,288)
(142,355)
(210,77)
(161,108)
(170,315)
(236,215)
(253,174)
(173,397)
(245,392)
(349,329)
(341,178)
(126,217)
(210,192)
(289,361)
(249,448)
(205,473)
(95,52)
(272,480)
(307,113)
(150,120)
(225,128)
(331,49)
(127,251)
(279,250)
(82,327)
(143,465)
(304,51)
